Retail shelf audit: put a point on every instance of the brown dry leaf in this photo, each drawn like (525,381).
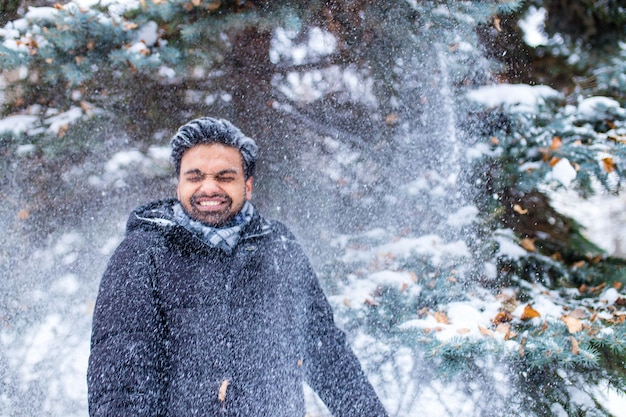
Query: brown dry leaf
(556,143)
(494,140)
(579,264)
(432,329)
(617,138)
(441,317)
(371,303)
(413,276)
(485,331)
(346,302)
(509,303)
(221,394)
(463,330)
(574,325)
(597,288)
(502,317)
(86,106)
(519,209)
(404,286)
(579,313)
(529,244)
(23,214)
(554,160)
(529,313)
(608,164)
(300,362)
(618,318)
(496,24)
(391,119)
(617,285)
(506,330)
(510,335)
(213,6)
(63,130)
(422,312)
(575,347)
(503,328)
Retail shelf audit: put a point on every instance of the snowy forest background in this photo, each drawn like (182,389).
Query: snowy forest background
(453,169)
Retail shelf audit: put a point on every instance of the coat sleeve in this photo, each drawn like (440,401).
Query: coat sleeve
(125,373)
(331,367)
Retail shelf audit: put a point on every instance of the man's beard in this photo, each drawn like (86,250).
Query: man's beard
(218,218)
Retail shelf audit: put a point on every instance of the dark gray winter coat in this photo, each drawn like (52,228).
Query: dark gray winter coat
(183,329)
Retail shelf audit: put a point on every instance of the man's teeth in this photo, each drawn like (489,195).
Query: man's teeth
(210,203)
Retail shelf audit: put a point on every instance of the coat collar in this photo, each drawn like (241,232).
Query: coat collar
(160,214)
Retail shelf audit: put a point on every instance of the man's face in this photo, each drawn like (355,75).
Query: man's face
(212,187)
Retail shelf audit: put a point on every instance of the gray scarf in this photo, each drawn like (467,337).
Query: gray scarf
(224,238)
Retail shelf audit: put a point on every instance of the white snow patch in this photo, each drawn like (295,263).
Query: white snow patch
(67,284)
(610,295)
(18,124)
(603,217)
(123,159)
(594,107)
(545,303)
(465,318)
(508,245)
(521,96)
(533,26)
(39,339)
(463,216)
(428,245)
(562,172)
(147,33)
(581,398)
(63,120)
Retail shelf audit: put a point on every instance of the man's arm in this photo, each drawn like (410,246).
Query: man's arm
(332,369)
(126,361)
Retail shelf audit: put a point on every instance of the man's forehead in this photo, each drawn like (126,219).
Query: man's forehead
(208,153)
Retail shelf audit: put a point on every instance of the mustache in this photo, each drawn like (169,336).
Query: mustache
(194,198)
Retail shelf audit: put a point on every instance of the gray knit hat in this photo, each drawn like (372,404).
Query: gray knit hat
(207,130)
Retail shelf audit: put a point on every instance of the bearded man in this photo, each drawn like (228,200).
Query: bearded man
(208,309)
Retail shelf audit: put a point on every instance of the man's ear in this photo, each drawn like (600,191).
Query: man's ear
(249,182)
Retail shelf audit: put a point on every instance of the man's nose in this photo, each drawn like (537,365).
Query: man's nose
(210,186)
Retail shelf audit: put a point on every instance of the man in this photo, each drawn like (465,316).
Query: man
(208,309)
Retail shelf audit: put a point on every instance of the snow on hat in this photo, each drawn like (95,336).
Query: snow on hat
(207,130)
